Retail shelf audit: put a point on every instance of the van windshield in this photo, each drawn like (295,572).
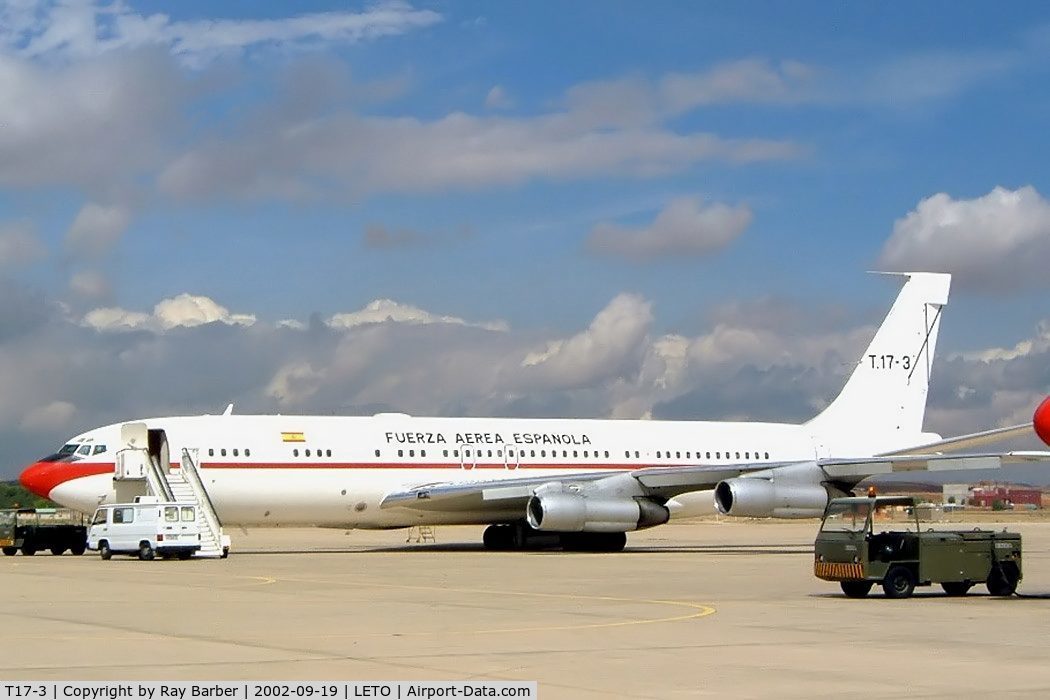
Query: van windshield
(100,517)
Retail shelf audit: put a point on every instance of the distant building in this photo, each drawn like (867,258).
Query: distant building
(959,494)
(985,495)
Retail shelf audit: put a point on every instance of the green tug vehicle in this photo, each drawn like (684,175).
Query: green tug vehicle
(32,530)
(850,551)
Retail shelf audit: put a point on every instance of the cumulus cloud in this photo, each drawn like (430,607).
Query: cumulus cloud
(608,346)
(19,244)
(997,242)
(97,228)
(389,311)
(182,311)
(686,226)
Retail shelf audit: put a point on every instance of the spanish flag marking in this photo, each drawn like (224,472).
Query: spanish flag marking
(293,437)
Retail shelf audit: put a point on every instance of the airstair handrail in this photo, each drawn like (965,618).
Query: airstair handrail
(189,469)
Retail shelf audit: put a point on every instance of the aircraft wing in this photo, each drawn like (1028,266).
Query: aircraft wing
(508,497)
(969,442)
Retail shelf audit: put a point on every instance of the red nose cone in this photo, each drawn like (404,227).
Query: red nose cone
(42,477)
(39,478)
(1041,421)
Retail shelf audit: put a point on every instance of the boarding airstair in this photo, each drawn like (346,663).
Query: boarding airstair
(143,468)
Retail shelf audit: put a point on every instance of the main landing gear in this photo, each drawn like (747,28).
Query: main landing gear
(504,537)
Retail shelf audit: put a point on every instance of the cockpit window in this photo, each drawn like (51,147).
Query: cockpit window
(84,450)
(68,450)
(99,449)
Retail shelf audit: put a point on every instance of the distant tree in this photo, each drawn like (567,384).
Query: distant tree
(998,504)
(12,495)
(951,500)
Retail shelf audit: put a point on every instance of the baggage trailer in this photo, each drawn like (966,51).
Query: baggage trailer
(850,551)
(32,530)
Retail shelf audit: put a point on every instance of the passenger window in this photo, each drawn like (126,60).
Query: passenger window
(677,455)
(308,453)
(607,454)
(223,452)
(99,449)
(658,454)
(327,453)
(627,454)
(455,453)
(490,453)
(543,453)
(747,455)
(247,452)
(187,514)
(422,453)
(708,455)
(636,454)
(738,455)
(767,455)
(400,453)
(499,453)
(171,514)
(211,451)
(532,453)
(236,452)
(295,452)
(718,455)
(377,453)
(84,450)
(444,453)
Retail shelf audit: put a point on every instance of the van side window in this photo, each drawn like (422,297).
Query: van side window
(187,514)
(123,515)
(171,514)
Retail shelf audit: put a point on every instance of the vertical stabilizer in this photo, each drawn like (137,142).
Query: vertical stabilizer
(882,406)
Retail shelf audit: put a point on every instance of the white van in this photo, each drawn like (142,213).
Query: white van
(146,529)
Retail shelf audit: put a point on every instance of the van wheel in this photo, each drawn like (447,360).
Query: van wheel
(146,552)
(58,551)
(899,583)
(104,551)
(856,589)
(956,588)
(10,551)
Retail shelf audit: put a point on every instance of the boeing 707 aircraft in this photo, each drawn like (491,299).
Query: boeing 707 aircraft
(579,483)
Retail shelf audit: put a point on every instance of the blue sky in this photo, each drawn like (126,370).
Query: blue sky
(520,165)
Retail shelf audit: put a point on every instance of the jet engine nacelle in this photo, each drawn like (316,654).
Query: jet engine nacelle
(762,498)
(572,512)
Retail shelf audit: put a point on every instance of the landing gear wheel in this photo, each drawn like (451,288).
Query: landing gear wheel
(104,551)
(899,583)
(28,551)
(1003,579)
(58,551)
(957,588)
(498,537)
(856,589)
(10,551)
(146,552)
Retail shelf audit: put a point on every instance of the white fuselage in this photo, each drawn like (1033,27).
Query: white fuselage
(335,471)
